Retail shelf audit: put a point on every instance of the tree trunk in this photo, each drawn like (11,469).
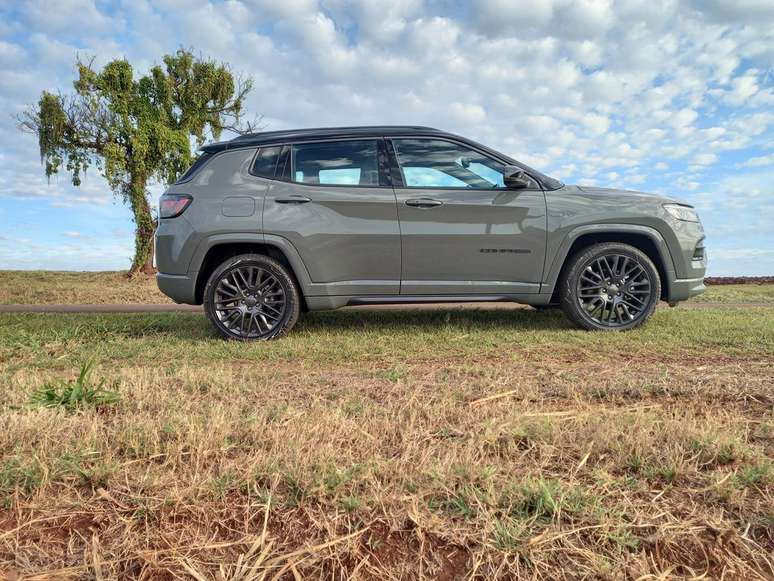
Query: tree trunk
(144,227)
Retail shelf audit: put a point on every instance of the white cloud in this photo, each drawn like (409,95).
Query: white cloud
(683,118)
(68,16)
(742,88)
(10,53)
(759,161)
(468,113)
(746,186)
(500,16)
(705,159)
(746,11)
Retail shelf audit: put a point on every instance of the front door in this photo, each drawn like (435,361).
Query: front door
(336,206)
(462,231)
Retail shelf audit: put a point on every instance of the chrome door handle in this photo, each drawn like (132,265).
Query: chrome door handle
(293,200)
(424,203)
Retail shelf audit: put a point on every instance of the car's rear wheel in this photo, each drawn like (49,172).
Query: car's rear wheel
(252,297)
(610,287)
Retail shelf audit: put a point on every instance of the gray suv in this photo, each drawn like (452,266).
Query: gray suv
(270,224)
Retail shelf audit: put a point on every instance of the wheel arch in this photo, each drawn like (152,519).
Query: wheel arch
(644,238)
(220,248)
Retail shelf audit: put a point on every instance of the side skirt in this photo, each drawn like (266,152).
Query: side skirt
(320,303)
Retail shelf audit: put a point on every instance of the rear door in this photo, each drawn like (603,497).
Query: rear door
(335,204)
(463,231)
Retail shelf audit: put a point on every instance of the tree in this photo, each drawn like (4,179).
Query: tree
(136,131)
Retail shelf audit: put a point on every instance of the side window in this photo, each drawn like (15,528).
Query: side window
(428,163)
(336,163)
(429,177)
(266,162)
(197,164)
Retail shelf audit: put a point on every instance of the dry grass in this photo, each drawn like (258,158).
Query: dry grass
(391,445)
(48,287)
(51,287)
(737,293)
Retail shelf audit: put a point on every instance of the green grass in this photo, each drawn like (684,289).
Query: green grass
(737,293)
(74,395)
(391,337)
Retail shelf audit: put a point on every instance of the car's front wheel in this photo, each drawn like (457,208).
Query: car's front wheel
(610,287)
(251,297)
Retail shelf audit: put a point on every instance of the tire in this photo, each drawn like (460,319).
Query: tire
(610,287)
(252,297)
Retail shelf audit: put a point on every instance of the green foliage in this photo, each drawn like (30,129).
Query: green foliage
(25,473)
(350,503)
(756,475)
(508,533)
(136,130)
(74,395)
(537,499)
(85,468)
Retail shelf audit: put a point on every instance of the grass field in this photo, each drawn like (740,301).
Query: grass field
(48,287)
(389,445)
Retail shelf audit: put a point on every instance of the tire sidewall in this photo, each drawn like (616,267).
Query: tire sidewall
(285,279)
(570,302)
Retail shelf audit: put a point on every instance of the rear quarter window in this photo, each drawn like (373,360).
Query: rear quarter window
(198,164)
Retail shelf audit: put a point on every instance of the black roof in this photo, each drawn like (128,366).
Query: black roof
(265,137)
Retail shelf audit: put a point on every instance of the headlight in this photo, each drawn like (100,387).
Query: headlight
(685,213)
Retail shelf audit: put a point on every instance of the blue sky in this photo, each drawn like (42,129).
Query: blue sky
(674,97)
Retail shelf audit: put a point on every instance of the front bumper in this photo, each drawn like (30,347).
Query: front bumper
(181,288)
(690,260)
(684,288)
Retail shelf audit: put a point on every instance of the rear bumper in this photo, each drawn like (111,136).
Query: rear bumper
(685,288)
(181,288)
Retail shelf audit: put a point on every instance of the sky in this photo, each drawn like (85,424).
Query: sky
(661,96)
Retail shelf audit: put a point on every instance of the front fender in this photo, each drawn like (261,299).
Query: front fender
(555,268)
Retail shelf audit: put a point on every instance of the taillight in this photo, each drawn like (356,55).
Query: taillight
(172,205)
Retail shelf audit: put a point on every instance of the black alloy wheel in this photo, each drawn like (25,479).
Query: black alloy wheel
(251,297)
(611,287)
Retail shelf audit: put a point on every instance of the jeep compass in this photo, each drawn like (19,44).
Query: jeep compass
(270,224)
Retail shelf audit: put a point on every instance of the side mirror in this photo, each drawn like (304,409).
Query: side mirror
(516,178)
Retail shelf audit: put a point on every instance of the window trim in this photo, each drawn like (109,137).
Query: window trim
(395,160)
(283,158)
(256,153)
